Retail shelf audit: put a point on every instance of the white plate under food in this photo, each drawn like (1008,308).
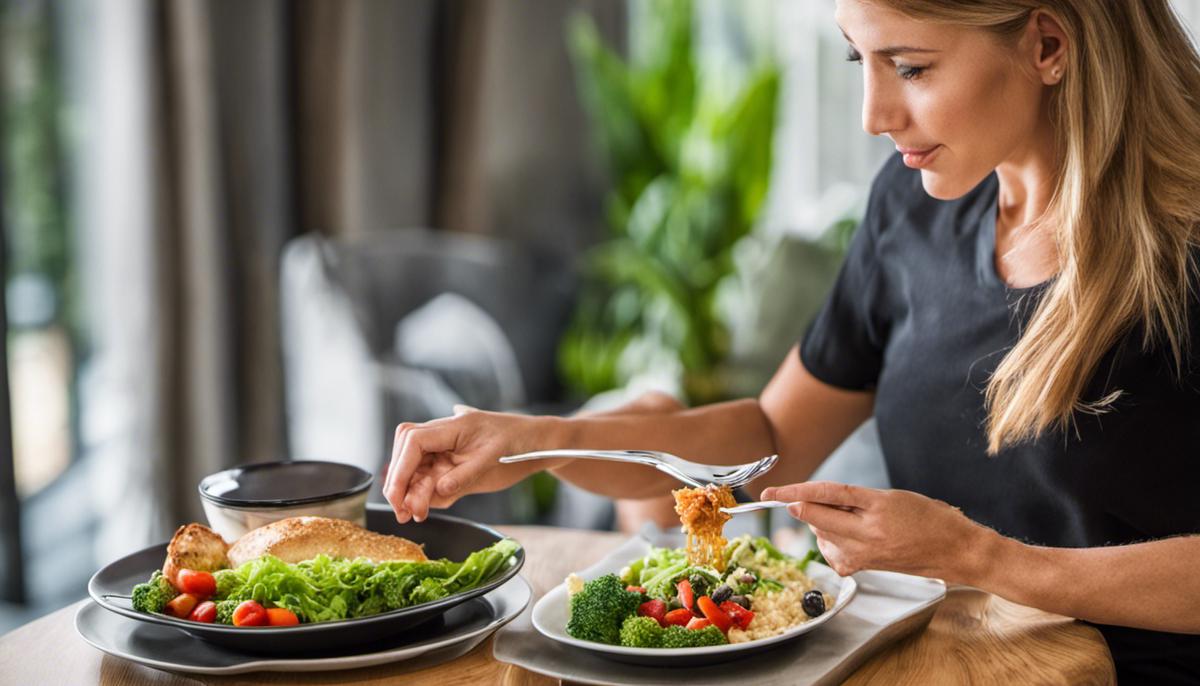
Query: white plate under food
(454,633)
(550,616)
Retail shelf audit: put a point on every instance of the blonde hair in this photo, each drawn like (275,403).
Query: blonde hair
(1125,210)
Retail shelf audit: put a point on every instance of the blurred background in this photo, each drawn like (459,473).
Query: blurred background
(240,231)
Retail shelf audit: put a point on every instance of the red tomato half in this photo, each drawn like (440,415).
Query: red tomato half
(202,584)
(740,615)
(714,614)
(680,617)
(249,613)
(698,623)
(686,596)
(205,612)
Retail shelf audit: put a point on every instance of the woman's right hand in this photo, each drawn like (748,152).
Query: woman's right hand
(436,463)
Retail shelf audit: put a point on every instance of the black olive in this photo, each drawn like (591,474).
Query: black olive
(721,594)
(741,600)
(813,604)
(748,578)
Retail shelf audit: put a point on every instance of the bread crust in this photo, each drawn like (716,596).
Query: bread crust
(197,547)
(296,539)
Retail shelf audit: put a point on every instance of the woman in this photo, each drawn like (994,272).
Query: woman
(1018,310)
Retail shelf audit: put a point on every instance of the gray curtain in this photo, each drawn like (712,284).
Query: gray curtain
(215,131)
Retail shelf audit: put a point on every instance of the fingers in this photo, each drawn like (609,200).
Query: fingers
(464,475)
(417,499)
(827,518)
(824,492)
(413,443)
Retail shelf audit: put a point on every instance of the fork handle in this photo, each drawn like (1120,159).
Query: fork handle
(613,455)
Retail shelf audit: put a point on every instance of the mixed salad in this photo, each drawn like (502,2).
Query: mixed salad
(269,592)
(663,601)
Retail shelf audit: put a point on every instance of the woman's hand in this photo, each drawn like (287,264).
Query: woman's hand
(435,463)
(898,531)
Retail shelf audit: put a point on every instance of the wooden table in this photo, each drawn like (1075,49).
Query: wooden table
(973,638)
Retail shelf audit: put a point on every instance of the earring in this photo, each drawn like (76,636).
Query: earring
(1056,72)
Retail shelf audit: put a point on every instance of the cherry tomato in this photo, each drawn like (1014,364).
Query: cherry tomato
(686,596)
(181,605)
(698,623)
(281,616)
(680,617)
(740,615)
(202,584)
(714,614)
(205,612)
(655,609)
(249,613)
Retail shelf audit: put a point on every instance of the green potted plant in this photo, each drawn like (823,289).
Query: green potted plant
(689,158)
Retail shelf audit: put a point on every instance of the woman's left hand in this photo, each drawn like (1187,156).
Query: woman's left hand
(898,531)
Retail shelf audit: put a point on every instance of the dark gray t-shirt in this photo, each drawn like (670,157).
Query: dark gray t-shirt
(919,315)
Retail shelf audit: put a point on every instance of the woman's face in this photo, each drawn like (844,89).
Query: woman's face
(956,101)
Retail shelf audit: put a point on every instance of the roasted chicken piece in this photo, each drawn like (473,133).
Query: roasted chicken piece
(296,539)
(196,547)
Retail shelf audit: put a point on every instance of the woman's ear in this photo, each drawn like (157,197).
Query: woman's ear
(1050,53)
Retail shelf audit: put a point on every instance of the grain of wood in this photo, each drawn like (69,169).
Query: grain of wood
(973,638)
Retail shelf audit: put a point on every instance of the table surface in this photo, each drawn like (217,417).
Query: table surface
(974,637)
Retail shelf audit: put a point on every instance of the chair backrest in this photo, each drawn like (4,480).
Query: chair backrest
(529,293)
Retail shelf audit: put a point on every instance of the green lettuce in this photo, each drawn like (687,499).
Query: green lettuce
(325,588)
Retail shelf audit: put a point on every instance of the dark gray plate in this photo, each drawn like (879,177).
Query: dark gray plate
(454,633)
(442,535)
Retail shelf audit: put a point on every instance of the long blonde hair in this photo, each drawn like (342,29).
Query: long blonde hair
(1125,210)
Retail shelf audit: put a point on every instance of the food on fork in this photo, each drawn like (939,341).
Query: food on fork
(699,511)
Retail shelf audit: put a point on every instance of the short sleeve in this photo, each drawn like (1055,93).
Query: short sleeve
(844,344)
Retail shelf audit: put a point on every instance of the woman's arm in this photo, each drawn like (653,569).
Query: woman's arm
(1151,585)
(799,417)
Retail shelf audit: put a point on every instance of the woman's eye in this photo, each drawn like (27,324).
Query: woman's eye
(853,55)
(909,72)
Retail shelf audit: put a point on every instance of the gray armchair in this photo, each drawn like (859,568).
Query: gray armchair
(397,326)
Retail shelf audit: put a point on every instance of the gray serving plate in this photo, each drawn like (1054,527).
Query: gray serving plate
(442,536)
(454,633)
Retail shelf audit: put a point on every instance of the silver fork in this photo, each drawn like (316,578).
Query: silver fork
(690,473)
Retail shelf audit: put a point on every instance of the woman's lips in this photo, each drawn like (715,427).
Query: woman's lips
(918,158)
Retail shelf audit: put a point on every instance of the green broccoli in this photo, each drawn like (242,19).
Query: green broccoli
(641,632)
(225,610)
(599,609)
(228,582)
(676,636)
(153,595)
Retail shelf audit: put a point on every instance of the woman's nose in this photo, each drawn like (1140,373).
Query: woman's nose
(883,110)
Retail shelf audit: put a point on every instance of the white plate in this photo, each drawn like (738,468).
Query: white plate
(458,631)
(550,616)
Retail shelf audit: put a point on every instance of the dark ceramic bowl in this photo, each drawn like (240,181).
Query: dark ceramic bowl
(442,536)
(244,498)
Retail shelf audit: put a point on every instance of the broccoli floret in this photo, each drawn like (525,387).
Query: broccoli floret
(641,632)
(228,582)
(676,636)
(153,595)
(598,611)
(225,610)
